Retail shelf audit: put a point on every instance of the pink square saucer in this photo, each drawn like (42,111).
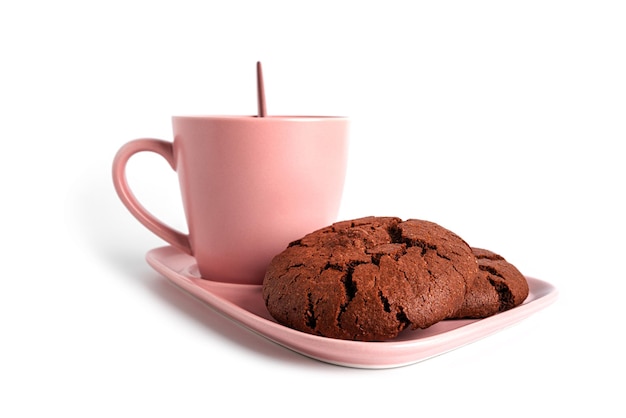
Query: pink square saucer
(243,304)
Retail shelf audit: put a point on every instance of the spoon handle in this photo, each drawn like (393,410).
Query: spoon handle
(260,89)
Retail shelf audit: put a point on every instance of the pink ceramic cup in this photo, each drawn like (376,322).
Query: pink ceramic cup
(249,185)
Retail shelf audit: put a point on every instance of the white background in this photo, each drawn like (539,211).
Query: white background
(502,121)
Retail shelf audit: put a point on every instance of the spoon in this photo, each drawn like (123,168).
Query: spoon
(260,90)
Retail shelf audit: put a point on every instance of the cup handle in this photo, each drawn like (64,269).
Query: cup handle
(164,149)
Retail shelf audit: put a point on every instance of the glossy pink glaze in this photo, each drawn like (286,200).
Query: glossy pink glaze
(249,185)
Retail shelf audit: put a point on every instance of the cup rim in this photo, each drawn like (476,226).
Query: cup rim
(259,118)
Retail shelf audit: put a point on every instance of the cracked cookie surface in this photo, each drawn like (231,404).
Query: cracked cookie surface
(368,279)
(499,287)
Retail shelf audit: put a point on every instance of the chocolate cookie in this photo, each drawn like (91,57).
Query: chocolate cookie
(368,279)
(499,287)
